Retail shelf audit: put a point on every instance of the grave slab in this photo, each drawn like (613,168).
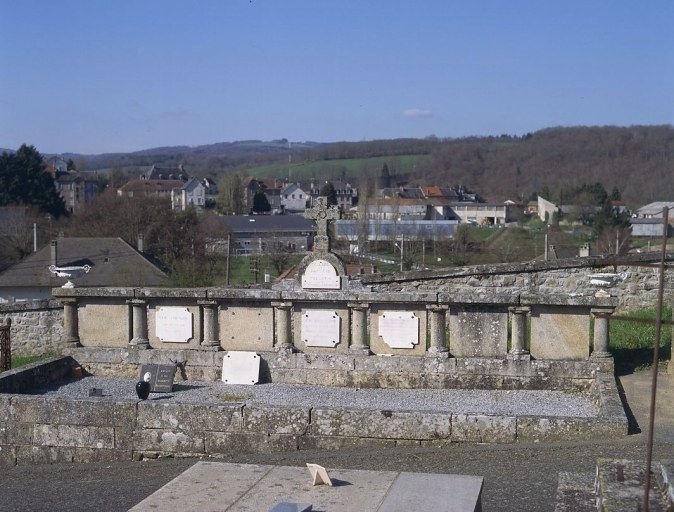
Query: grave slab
(211,486)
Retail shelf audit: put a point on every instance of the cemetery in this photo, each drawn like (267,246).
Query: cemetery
(320,329)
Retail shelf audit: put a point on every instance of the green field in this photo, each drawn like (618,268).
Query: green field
(631,343)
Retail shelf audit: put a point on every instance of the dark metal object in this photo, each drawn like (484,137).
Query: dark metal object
(98,392)
(143,389)
(5,346)
(656,357)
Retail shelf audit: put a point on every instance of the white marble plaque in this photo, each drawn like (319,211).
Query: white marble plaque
(174,325)
(321,274)
(241,368)
(321,328)
(399,329)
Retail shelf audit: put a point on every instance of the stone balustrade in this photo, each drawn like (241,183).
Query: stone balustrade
(360,321)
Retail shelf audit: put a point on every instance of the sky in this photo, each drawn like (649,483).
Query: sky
(100,76)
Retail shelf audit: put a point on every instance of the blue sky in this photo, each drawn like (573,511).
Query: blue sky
(95,76)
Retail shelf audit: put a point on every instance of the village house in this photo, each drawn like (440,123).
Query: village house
(257,234)
(113,262)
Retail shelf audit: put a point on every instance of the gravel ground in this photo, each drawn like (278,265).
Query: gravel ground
(540,403)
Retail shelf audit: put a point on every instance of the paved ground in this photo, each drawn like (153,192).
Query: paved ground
(521,477)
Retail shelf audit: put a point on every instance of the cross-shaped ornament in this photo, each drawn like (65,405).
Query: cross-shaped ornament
(322,214)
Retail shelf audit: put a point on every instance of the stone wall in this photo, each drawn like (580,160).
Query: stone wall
(636,286)
(43,429)
(36,326)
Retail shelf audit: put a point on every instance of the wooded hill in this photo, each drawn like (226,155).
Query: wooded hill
(637,160)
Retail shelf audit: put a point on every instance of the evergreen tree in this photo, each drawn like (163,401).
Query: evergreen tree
(24,180)
(261,203)
(328,190)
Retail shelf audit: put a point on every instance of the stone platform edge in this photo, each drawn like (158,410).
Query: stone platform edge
(38,429)
(357,370)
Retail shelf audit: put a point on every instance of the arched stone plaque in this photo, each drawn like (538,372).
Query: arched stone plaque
(320,274)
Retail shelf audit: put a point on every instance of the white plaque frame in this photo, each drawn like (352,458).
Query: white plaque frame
(174,324)
(321,328)
(321,274)
(399,329)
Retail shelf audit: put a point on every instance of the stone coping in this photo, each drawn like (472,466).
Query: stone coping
(266,295)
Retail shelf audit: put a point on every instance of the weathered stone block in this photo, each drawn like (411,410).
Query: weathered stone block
(103,322)
(380,424)
(325,362)
(478,331)
(246,328)
(478,428)
(74,436)
(189,416)
(537,429)
(94,412)
(409,364)
(44,454)
(560,332)
(276,419)
(7,455)
(16,433)
(226,443)
(342,443)
(176,442)
(124,437)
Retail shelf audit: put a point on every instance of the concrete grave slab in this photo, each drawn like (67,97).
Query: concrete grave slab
(211,486)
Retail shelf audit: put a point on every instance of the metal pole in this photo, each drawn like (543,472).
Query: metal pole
(229,253)
(656,357)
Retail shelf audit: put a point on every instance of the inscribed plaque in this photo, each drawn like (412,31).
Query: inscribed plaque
(321,274)
(161,377)
(320,328)
(399,329)
(174,324)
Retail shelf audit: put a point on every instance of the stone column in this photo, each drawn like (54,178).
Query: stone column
(519,331)
(139,316)
(437,326)
(359,311)
(283,315)
(71,336)
(210,339)
(601,316)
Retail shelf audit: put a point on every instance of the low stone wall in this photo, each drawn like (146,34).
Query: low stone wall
(35,429)
(37,326)
(40,373)
(562,277)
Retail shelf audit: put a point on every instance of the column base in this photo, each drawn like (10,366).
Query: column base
(139,344)
(601,355)
(212,346)
(520,355)
(441,352)
(361,351)
(67,343)
(284,349)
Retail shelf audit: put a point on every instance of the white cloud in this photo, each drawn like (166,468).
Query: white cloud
(417,112)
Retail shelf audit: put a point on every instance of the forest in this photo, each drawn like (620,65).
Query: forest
(638,160)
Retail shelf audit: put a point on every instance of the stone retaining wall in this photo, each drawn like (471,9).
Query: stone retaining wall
(38,430)
(638,289)
(37,326)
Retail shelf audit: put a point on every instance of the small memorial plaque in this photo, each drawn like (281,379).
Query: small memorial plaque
(399,329)
(174,324)
(320,328)
(322,275)
(161,377)
(241,368)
